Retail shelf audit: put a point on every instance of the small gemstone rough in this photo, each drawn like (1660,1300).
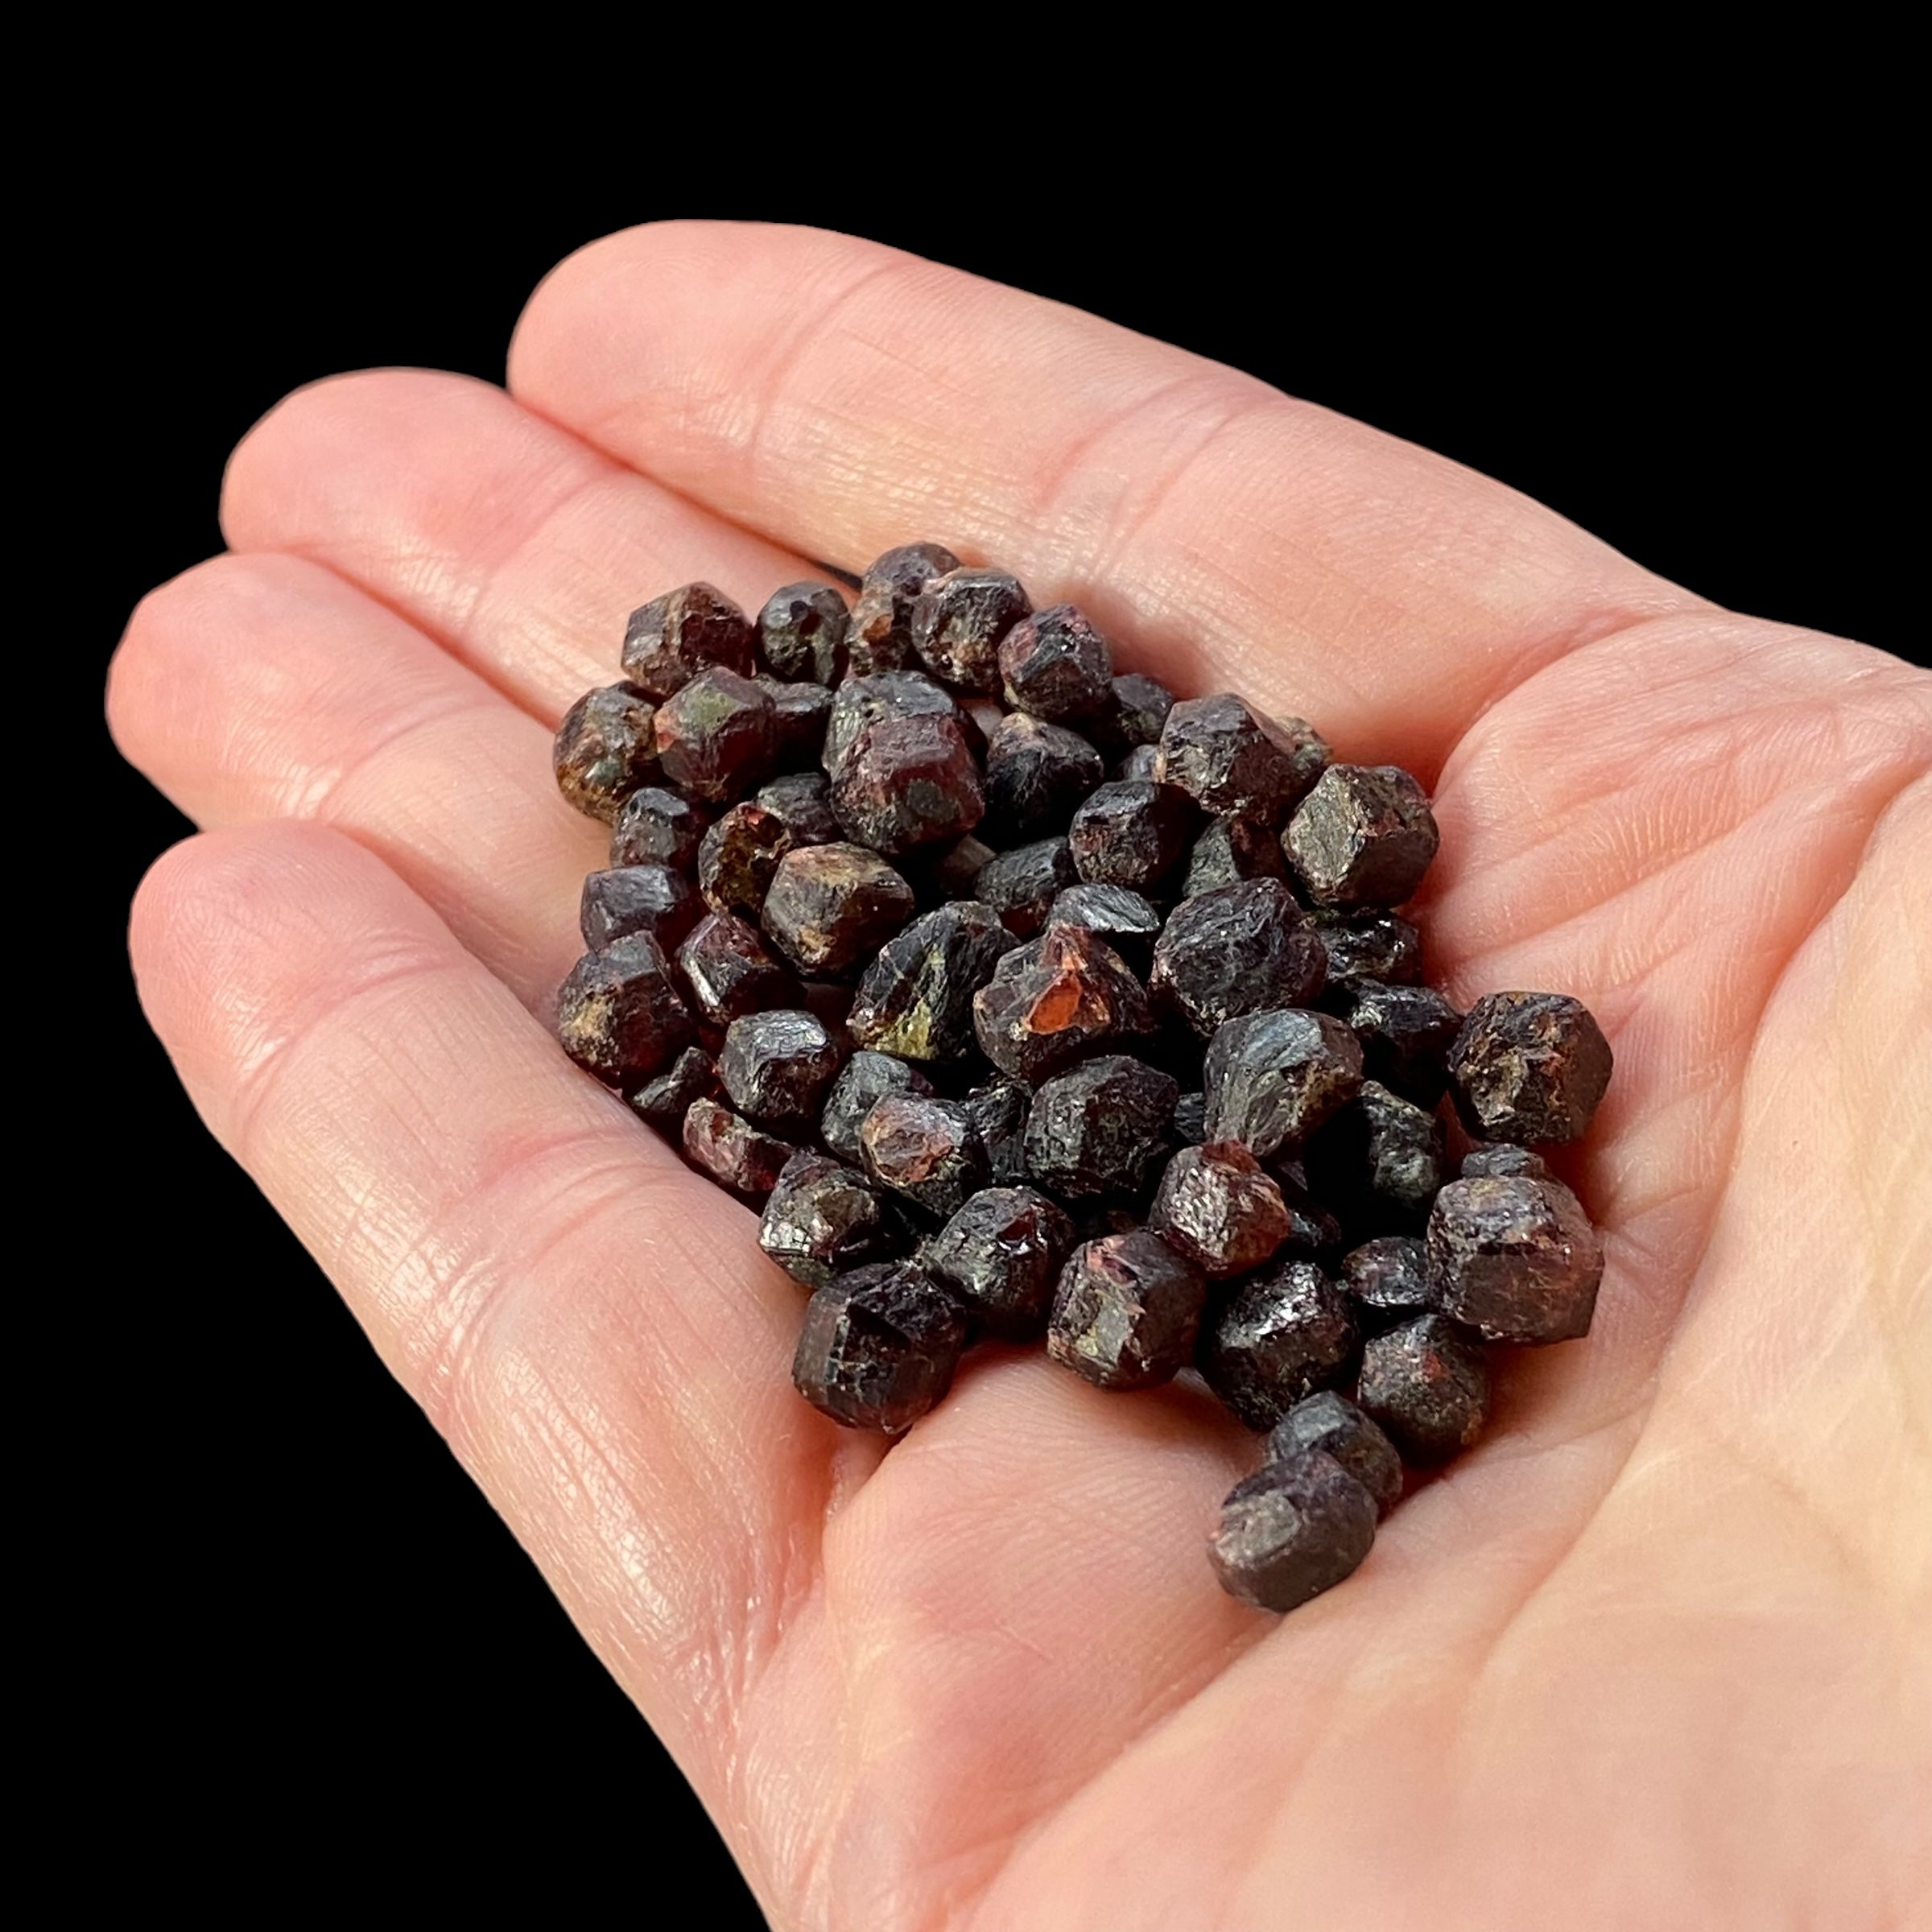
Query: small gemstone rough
(1426,1386)
(1300,1525)
(1055,998)
(915,1000)
(824,1219)
(735,1154)
(878,634)
(1232,761)
(1000,1110)
(1272,1078)
(1238,949)
(605,749)
(886,694)
(729,973)
(1229,851)
(1388,1277)
(864,1079)
(927,1148)
(1364,835)
(1379,1160)
(801,801)
(618,1013)
(1528,1066)
(657,827)
(1135,709)
(802,632)
(1405,1032)
(1140,766)
(1057,665)
(636,898)
(907,781)
(1036,774)
(776,1067)
(674,638)
(665,1101)
(958,621)
(1001,1254)
(717,736)
(828,907)
(1020,885)
(1127,920)
(1126,1311)
(1219,1208)
(1514,1258)
(879,1347)
(1104,1127)
(737,857)
(799,715)
(1129,833)
(1277,1338)
(1332,1424)
(1380,946)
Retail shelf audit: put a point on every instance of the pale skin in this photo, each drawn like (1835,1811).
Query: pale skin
(1654,1654)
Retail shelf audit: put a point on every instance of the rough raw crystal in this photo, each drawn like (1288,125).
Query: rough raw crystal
(1362,836)
(1190,1119)
(1272,1078)
(1055,998)
(1332,1424)
(717,736)
(1140,766)
(636,898)
(915,1000)
(958,620)
(673,638)
(735,1154)
(655,827)
(1020,885)
(907,781)
(801,802)
(1489,1162)
(824,1219)
(879,1347)
(887,694)
(776,1067)
(1132,834)
(1001,1254)
(665,1101)
(1125,1311)
(618,1013)
(951,872)
(926,1148)
(1057,666)
(1229,851)
(1238,949)
(1368,946)
(1104,1127)
(1312,1230)
(1036,774)
(1379,1161)
(1528,1066)
(864,1079)
(800,714)
(1405,1032)
(1135,709)
(1277,1337)
(1000,1110)
(802,632)
(738,857)
(1232,760)
(1219,1208)
(879,631)
(1127,920)
(1514,1258)
(1388,1278)
(729,973)
(605,749)
(1426,1386)
(1298,1527)
(830,907)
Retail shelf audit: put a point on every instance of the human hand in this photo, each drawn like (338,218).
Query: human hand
(1647,1656)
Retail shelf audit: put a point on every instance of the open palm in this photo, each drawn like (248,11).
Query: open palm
(1655,1653)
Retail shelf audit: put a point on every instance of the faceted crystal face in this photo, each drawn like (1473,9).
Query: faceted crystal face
(1530,1067)
(1048,1002)
(1515,1258)
(1036,774)
(1219,1208)
(776,1068)
(925,1148)
(1126,1311)
(879,1347)
(801,714)
(865,1079)
(673,638)
(802,632)
(1426,1386)
(958,622)
(1274,1078)
(1238,949)
(1103,1128)
(824,1219)
(1127,920)
(605,750)
(801,802)
(1278,1338)
(735,1154)
(915,999)
(1380,946)
(657,827)
(1297,1528)
(1406,1033)
(618,1014)
(1057,666)
(717,736)
(1020,885)
(636,898)
(879,631)
(665,1101)
(729,972)
(908,781)
(830,907)
(1135,708)
(1364,835)
(1132,834)
(1233,762)
(1229,851)
(1387,1279)
(737,857)
(1001,1254)
(1332,1424)
(1000,1110)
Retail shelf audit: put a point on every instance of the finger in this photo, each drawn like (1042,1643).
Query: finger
(266,686)
(841,397)
(574,1311)
(509,540)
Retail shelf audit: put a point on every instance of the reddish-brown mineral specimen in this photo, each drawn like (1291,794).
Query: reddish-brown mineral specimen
(958,621)
(605,749)
(1131,834)
(1000,1110)
(1020,885)
(1217,1206)
(1062,995)
(1368,946)
(1056,665)
(879,633)
(1238,949)
(1386,1277)
(1126,1312)
(1427,1385)
(1127,920)
(865,1079)
(916,998)
(907,781)
(1274,1078)
(1134,711)
(1001,1254)
(1362,836)
(926,1148)
(1528,1066)
(717,737)
(674,637)
(1229,851)
(1332,1424)
(738,857)
(887,694)
(776,1068)
(1233,762)
(665,1101)
(1103,1127)
(1298,1527)
(800,714)
(657,827)
(1405,1032)
(879,1347)
(802,632)
(636,898)
(801,802)
(824,1219)
(729,973)
(1277,1337)
(1486,1162)
(1036,774)
(618,1014)
(1514,1258)
(830,906)
(735,1154)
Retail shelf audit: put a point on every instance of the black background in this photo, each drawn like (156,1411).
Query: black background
(301,1580)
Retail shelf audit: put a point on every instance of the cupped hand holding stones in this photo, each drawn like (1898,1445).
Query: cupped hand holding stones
(1661,1620)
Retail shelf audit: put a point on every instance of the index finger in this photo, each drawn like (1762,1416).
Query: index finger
(841,397)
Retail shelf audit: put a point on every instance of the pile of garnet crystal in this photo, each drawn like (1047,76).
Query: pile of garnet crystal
(1030,1001)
